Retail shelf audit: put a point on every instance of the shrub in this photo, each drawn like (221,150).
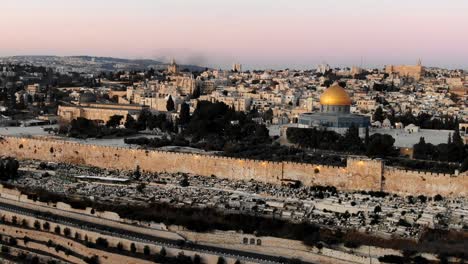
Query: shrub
(146,250)
(120,246)
(163,252)
(102,242)
(67,231)
(34,260)
(197,259)
(351,244)
(221,260)
(377,209)
(5,249)
(13,241)
(92,260)
(392,259)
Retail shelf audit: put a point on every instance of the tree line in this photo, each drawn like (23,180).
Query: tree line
(376,145)
(8,168)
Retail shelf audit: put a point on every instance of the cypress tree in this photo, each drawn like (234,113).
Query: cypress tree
(170,104)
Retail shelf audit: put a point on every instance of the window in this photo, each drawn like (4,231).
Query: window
(259,242)
(246,240)
(252,241)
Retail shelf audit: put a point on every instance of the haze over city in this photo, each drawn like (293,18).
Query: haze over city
(258,34)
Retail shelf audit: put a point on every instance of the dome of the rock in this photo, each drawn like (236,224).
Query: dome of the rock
(335,95)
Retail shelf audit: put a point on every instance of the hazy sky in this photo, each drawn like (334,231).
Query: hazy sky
(256,33)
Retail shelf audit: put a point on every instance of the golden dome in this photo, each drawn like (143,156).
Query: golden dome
(335,95)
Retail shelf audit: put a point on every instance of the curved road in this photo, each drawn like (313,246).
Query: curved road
(180,244)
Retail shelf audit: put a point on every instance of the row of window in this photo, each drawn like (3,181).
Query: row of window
(334,108)
(252,241)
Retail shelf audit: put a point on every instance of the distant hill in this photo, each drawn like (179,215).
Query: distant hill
(91,64)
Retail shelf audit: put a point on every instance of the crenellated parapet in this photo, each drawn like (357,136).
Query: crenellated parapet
(359,174)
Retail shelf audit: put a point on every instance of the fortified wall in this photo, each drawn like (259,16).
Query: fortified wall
(359,174)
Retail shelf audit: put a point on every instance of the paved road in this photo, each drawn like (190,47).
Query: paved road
(170,243)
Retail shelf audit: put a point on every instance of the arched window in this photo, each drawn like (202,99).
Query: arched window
(252,241)
(245,240)
(259,242)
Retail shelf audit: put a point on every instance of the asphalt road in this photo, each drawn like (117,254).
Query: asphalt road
(170,243)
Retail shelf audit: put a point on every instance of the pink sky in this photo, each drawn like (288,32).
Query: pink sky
(256,33)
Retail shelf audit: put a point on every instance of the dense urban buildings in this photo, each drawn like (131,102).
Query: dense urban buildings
(373,154)
(234,132)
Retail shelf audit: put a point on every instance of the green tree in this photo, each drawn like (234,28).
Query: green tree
(184,115)
(380,146)
(196,93)
(268,115)
(130,122)
(141,187)
(184,182)
(464,165)
(5,249)
(92,260)
(456,138)
(120,246)
(67,231)
(221,260)
(163,252)
(261,134)
(13,241)
(143,118)
(114,121)
(366,137)
(378,115)
(146,250)
(351,141)
(170,106)
(197,259)
(136,174)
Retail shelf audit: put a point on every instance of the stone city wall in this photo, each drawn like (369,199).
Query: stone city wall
(416,182)
(359,174)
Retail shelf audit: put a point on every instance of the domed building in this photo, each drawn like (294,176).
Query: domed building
(335,106)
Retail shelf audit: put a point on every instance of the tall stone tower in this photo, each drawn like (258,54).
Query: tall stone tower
(173,68)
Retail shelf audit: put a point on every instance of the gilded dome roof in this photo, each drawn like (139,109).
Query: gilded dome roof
(335,95)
